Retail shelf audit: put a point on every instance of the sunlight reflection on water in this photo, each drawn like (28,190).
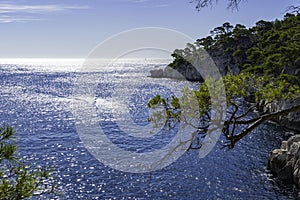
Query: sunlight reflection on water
(37,103)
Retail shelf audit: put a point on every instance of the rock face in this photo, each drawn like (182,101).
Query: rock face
(292,120)
(224,62)
(157,73)
(285,162)
(186,72)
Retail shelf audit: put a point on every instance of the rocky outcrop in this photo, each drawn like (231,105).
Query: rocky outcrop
(157,73)
(285,162)
(224,62)
(185,72)
(290,121)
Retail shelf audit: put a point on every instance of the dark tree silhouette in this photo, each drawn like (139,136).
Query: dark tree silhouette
(293,9)
(232,4)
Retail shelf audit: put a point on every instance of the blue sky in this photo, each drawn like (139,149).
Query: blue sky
(72,28)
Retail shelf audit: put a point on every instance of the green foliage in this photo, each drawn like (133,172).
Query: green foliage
(237,53)
(156,100)
(272,89)
(7,148)
(17,181)
(231,41)
(203,98)
(206,43)
(270,48)
(175,103)
(277,47)
(268,55)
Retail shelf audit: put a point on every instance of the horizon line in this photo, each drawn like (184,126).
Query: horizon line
(76,58)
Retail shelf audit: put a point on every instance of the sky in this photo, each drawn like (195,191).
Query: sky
(72,28)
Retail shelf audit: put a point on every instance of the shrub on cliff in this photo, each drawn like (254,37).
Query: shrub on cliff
(268,56)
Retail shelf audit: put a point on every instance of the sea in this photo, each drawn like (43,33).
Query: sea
(37,99)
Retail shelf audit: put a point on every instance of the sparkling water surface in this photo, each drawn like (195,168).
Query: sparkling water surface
(36,99)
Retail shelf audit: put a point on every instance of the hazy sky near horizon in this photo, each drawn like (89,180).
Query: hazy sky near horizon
(72,28)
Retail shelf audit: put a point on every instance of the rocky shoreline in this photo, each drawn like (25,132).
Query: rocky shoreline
(292,120)
(188,72)
(285,162)
(183,72)
(269,48)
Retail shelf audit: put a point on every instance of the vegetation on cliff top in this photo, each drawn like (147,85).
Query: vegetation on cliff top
(268,58)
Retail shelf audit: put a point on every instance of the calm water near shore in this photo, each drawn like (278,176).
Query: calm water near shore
(36,99)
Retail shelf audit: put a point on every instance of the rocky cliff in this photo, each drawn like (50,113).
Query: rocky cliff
(292,120)
(184,70)
(267,49)
(285,162)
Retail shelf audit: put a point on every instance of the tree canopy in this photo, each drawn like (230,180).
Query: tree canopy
(232,4)
(268,58)
(17,181)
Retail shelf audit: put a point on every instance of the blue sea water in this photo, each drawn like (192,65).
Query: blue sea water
(36,99)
